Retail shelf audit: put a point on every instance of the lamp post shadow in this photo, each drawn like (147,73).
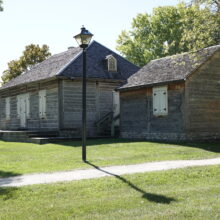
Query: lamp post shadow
(148,196)
(6,178)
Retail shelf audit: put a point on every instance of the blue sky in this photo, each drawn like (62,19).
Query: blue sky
(55,22)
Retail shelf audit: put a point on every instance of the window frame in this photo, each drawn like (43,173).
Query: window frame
(109,59)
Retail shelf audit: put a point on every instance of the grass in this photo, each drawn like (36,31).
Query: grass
(191,193)
(20,158)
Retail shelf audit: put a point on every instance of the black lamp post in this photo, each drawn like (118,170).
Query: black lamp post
(83,39)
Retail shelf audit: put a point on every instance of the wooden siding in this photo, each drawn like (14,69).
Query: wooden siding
(137,119)
(203,100)
(33,122)
(99,103)
(64,105)
(106,97)
(2,113)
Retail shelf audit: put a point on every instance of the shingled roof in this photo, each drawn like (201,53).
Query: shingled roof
(69,64)
(169,69)
(44,70)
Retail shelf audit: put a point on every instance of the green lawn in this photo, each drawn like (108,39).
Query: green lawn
(20,158)
(191,193)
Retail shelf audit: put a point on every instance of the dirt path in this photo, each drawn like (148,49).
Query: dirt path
(97,172)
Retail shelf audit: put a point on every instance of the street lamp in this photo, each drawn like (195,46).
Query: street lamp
(83,39)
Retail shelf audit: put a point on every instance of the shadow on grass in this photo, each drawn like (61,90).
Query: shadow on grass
(208,146)
(7,192)
(212,146)
(93,141)
(4,174)
(149,196)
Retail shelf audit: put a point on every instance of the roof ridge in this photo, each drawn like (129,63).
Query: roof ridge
(57,65)
(171,68)
(71,61)
(60,53)
(184,53)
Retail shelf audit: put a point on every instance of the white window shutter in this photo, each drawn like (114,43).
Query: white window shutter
(7,107)
(18,106)
(160,106)
(156,102)
(164,102)
(42,103)
(27,97)
(116,102)
(161,102)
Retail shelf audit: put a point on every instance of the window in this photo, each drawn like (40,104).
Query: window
(42,103)
(112,63)
(160,101)
(7,108)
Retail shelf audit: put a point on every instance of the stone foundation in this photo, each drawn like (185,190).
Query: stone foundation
(179,137)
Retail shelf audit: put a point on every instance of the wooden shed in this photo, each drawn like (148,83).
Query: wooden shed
(48,96)
(174,98)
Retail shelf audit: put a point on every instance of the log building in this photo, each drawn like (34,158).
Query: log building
(48,96)
(174,98)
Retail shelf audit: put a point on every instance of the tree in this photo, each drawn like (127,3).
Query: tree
(32,55)
(201,28)
(214,5)
(1,8)
(169,30)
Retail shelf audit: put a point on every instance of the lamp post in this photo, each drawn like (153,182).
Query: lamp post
(83,39)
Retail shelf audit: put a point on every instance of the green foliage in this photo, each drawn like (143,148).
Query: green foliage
(214,5)
(201,28)
(1,8)
(169,30)
(32,55)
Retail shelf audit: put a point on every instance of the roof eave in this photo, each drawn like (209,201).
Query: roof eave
(26,83)
(149,85)
(94,79)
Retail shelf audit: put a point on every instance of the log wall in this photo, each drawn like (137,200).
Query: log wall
(99,103)
(34,122)
(203,101)
(137,119)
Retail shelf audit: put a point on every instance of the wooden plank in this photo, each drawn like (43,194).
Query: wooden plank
(203,98)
